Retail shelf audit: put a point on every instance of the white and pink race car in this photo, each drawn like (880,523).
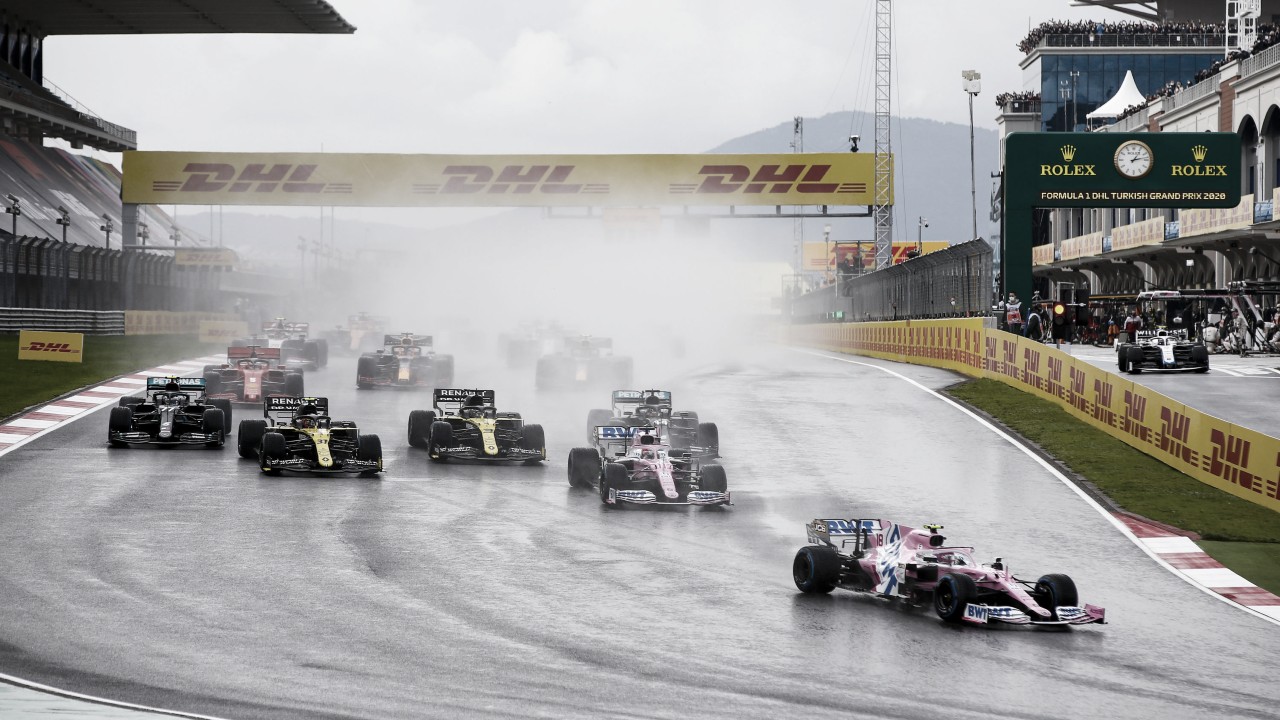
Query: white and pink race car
(631,465)
(916,565)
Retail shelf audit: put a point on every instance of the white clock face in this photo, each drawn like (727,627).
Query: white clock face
(1133,159)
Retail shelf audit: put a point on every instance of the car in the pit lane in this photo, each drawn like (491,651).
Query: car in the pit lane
(1162,349)
(405,361)
(584,361)
(632,466)
(250,374)
(916,565)
(299,436)
(466,425)
(174,411)
(681,429)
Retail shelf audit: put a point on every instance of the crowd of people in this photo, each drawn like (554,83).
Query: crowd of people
(1025,98)
(1096,29)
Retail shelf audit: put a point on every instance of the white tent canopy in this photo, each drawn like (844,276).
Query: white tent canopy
(1127,96)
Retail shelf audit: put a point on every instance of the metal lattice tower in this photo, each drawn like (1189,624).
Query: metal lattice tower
(1242,24)
(797,229)
(882,211)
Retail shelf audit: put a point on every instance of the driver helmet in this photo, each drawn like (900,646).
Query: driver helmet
(646,454)
(305,422)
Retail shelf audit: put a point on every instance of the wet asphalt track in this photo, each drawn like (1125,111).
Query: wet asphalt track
(184,579)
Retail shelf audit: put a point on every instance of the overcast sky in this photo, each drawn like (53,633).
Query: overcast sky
(594,76)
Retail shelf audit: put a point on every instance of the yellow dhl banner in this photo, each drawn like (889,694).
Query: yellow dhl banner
(827,256)
(52,346)
(222,331)
(191,257)
(385,180)
(163,322)
(1232,458)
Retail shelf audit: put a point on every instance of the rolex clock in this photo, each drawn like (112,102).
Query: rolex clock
(1133,159)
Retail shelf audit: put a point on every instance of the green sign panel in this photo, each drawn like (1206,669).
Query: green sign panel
(1128,170)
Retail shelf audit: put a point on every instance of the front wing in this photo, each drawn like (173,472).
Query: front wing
(1067,615)
(645,497)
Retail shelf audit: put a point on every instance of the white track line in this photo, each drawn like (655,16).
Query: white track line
(1115,522)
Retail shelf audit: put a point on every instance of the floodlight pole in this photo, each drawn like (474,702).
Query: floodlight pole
(972,86)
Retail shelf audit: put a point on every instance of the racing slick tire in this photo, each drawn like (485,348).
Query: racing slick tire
(249,437)
(615,477)
(420,422)
(366,367)
(952,595)
(441,436)
(225,406)
(1133,356)
(121,421)
(214,421)
(130,401)
(816,569)
(712,478)
(533,438)
(596,418)
(584,467)
(444,371)
(709,437)
(293,384)
(273,447)
(369,447)
(1055,590)
(1200,356)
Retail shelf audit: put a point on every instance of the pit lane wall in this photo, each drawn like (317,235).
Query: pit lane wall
(1233,458)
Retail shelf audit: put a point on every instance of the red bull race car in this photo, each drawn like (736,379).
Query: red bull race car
(584,361)
(632,466)
(405,361)
(250,374)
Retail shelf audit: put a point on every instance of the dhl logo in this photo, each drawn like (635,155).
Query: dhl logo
(1175,433)
(510,179)
(767,179)
(254,177)
(49,347)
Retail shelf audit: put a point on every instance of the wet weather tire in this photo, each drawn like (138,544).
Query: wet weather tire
(121,421)
(709,437)
(420,422)
(615,477)
(249,437)
(273,448)
(713,478)
(952,595)
(533,438)
(1054,591)
(369,447)
(293,384)
(584,467)
(816,569)
(441,437)
(213,421)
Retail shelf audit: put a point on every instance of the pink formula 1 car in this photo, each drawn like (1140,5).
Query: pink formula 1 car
(631,466)
(896,561)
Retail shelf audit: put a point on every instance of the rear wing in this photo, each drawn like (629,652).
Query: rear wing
(407,340)
(449,401)
(615,439)
(282,407)
(253,351)
(175,383)
(822,531)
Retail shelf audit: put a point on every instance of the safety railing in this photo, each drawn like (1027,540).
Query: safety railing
(1261,61)
(1200,90)
(93,322)
(1086,40)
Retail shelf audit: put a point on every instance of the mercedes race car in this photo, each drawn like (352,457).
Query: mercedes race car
(465,425)
(631,465)
(584,362)
(680,429)
(299,436)
(250,374)
(1162,349)
(295,347)
(175,411)
(406,361)
(916,565)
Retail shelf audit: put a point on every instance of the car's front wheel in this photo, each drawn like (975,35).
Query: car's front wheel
(1054,591)
(952,595)
(584,467)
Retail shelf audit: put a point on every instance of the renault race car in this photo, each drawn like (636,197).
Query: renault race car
(584,361)
(405,361)
(250,374)
(680,429)
(295,347)
(465,425)
(1162,349)
(916,565)
(174,411)
(299,436)
(631,465)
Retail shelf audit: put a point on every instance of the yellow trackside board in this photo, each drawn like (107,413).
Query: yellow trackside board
(54,346)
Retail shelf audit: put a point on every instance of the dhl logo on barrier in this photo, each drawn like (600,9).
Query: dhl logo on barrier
(1243,462)
(161,322)
(52,346)
(222,331)
(381,180)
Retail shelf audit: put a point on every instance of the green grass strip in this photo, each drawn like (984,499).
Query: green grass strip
(31,382)
(1138,482)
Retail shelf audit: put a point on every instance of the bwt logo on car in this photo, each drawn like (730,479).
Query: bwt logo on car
(50,347)
(219,177)
(767,179)
(617,432)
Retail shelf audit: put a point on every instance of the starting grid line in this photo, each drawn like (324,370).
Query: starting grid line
(38,421)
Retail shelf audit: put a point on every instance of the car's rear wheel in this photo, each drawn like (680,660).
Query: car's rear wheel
(1054,591)
(1122,358)
(584,467)
(816,569)
(212,382)
(225,406)
(952,595)
(615,477)
(293,384)
(366,367)
(1133,357)
(369,448)
(441,437)
(444,370)
(709,437)
(249,437)
(712,478)
(121,421)
(420,422)
(533,438)
(130,401)
(273,448)
(214,421)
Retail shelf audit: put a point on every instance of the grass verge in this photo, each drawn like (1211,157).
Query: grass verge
(30,382)
(1245,533)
